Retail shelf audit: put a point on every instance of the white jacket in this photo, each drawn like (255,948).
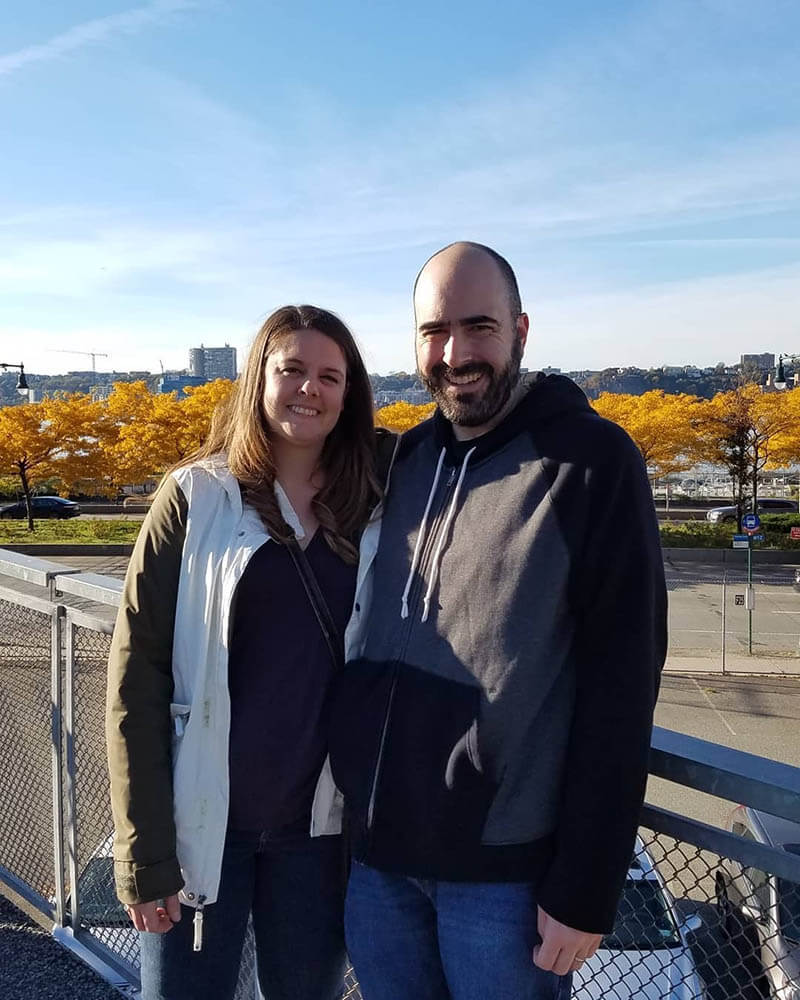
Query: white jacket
(222,534)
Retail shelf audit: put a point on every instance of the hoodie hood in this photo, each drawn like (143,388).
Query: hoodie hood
(546,398)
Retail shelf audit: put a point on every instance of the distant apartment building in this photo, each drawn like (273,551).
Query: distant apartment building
(212,362)
(764,362)
(177,382)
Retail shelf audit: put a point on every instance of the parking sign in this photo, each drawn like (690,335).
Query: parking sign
(751,523)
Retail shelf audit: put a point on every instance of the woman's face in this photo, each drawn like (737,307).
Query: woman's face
(305,379)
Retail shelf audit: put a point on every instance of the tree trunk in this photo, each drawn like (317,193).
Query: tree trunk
(740,481)
(755,481)
(26,490)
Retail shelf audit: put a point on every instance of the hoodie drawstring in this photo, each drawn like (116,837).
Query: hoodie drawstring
(418,546)
(437,555)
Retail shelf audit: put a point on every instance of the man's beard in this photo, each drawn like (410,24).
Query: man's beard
(473,409)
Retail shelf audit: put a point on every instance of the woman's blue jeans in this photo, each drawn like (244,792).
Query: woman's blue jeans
(432,940)
(294,886)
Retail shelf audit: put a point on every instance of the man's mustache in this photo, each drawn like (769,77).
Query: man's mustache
(442,370)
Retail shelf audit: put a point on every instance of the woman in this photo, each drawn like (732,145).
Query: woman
(219,672)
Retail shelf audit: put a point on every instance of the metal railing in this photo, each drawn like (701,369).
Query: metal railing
(705,912)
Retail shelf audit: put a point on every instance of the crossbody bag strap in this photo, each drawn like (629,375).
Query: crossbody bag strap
(318,602)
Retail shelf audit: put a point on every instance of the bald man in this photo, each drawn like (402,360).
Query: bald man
(493,723)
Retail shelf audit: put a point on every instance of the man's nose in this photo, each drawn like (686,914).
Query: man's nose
(455,352)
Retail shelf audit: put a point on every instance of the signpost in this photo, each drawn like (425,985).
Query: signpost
(750,524)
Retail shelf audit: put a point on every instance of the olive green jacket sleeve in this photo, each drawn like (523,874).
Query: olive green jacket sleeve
(138,724)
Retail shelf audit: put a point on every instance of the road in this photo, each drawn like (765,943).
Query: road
(701,596)
(759,715)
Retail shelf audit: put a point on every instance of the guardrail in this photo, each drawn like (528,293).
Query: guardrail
(705,912)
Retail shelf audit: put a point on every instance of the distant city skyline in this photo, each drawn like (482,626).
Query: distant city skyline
(179,168)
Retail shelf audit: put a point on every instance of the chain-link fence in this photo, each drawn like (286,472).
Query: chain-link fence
(686,928)
(26,761)
(720,620)
(718,920)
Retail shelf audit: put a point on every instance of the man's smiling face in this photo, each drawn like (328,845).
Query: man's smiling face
(469,344)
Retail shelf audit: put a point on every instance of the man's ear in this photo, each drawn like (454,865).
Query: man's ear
(523,325)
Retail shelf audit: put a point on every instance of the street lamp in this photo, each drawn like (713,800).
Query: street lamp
(22,383)
(780,374)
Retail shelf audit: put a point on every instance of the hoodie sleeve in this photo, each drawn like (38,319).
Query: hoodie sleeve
(138,726)
(620,605)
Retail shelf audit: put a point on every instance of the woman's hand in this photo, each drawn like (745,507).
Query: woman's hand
(154,918)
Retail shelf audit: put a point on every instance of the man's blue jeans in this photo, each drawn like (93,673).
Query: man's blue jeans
(434,940)
(294,885)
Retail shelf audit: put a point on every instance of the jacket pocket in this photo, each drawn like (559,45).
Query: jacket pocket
(179,715)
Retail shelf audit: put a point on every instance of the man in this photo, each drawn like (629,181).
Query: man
(494,718)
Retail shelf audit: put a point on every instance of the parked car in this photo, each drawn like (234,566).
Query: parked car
(770,904)
(42,507)
(769,505)
(647,954)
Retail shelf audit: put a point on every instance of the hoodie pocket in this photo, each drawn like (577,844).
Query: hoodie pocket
(432,794)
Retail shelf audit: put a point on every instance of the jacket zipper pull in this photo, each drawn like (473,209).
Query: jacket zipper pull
(198,924)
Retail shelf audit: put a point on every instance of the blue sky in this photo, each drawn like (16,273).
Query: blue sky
(174,170)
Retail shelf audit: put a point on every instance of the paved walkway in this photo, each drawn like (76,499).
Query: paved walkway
(736,663)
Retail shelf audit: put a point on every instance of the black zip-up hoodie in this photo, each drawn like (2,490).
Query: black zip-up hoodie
(497,724)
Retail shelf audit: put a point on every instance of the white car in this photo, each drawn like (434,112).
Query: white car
(647,955)
(769,904)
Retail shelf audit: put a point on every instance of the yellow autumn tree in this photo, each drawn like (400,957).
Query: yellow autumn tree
(199,406)
(149,432)
(54,438)
(741,430)
(785,445)
(403,416)
(660,424)
(79,461)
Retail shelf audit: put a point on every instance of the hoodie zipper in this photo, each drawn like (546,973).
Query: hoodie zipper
(429,545)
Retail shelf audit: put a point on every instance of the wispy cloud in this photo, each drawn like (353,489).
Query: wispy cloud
(93,32)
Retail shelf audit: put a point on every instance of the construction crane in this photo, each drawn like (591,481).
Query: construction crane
(89,354)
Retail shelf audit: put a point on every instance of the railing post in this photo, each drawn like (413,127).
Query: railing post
(724,613)
(56,648)
(69,719)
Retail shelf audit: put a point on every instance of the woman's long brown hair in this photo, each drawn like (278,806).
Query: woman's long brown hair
(240,431)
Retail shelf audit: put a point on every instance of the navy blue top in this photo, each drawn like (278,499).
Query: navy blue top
(280,672)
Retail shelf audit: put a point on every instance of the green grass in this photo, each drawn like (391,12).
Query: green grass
(114,531)
(76,531)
